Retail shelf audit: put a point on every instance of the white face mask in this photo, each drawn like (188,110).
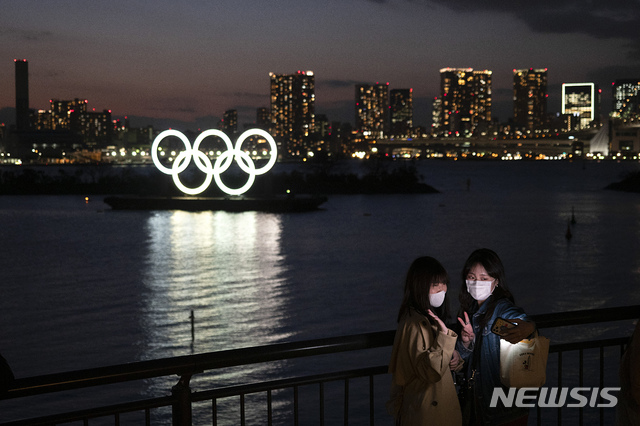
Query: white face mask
(479,290)
(436,299)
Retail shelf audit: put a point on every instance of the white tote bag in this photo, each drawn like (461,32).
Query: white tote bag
(524,364)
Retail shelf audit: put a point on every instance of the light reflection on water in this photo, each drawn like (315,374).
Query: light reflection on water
(227,269)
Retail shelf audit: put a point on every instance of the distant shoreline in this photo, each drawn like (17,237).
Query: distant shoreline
(630,183)
(146,180)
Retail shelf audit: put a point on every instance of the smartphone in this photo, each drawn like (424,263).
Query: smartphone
(501,324)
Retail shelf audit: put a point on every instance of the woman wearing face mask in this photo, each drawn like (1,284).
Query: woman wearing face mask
(422,388)
(483,298)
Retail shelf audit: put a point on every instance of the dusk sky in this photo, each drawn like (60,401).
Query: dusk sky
(192,60)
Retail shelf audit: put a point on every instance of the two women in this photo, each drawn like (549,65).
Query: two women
(425,350)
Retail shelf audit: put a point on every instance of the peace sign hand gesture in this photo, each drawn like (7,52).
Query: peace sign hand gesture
(466,335)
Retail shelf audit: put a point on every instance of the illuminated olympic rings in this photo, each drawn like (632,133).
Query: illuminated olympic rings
(222,163)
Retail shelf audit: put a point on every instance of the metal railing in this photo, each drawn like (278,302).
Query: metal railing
(182,399)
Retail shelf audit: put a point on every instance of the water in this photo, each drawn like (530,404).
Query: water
(84,286)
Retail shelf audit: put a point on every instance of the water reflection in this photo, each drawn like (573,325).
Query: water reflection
(591,277)
(225,267)
(596,275)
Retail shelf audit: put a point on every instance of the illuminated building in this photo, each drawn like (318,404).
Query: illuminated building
(43,120)
(72,115)
(341,138)
(323,127)
(22,94)
(372,110)
(292,111)
(625,140)
(465,101)
(230,122)
(582,101)
(67,114)
(530,99)
(401,106)
(65,126)
(436,115)
(263,118)
(626,99)
(96,127)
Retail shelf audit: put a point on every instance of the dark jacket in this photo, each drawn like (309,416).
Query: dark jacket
(487,375)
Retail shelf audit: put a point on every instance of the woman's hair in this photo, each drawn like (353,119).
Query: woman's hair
(423,272)
(493,265)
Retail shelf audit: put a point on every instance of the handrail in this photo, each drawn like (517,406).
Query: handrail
(588,316)
(191,364)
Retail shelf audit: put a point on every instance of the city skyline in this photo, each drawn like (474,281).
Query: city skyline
(193,62)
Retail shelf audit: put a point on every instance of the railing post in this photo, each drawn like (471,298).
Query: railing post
(181,409)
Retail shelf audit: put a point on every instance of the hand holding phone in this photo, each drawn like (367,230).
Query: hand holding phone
(501,325)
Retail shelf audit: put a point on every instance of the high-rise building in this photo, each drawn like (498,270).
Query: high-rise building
(436,115)
(530,99)
(582,101)
(626,99)
(341,138)
(22,94)
(401,106)
(292,111)
(67,114)
(323,127)
(465,101)
(372,110)
(230,122)
(96,127)
(72,116)
(263,118)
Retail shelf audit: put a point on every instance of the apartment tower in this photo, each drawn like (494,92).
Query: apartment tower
(401,108)
(530,99)
(293,111)
(372,110)
(465,102)
(626,99)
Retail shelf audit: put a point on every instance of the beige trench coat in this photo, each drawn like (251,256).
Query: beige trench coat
(422,389)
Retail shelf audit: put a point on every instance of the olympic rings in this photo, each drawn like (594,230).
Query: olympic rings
(222,163)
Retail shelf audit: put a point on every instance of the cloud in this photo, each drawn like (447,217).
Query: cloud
(173,107)
(207,122)
(612,73)
(337,84)
(17,34)
(611,19)
(248,95)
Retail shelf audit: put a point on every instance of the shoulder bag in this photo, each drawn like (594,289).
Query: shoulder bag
(524,364)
